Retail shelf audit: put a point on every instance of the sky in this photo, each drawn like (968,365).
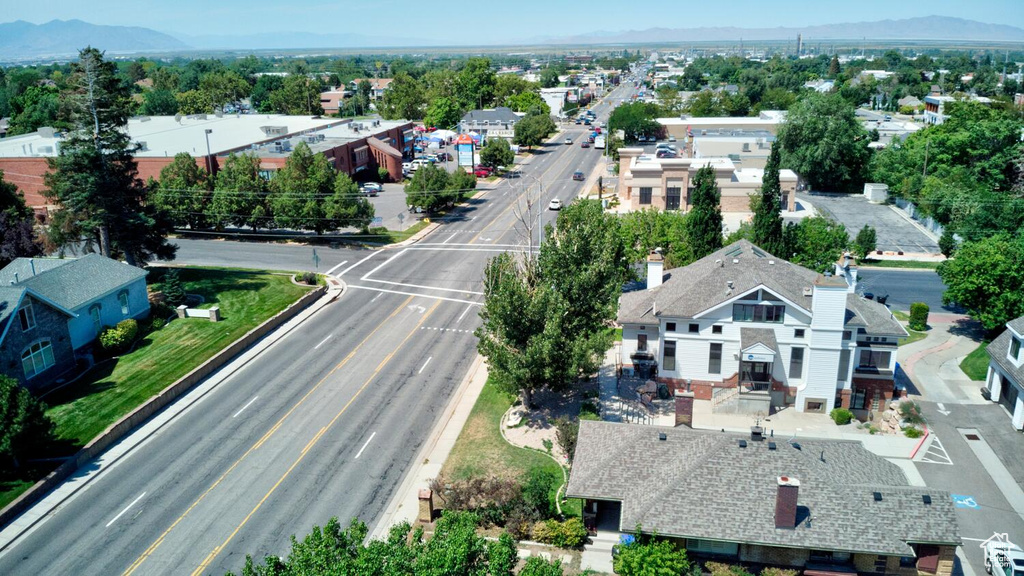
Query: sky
(487,21)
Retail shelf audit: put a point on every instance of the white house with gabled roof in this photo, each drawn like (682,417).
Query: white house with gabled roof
(743,324)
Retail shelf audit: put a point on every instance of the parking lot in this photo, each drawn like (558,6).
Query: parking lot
(895,233)
(389,204)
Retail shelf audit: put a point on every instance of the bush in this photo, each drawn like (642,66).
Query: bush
(589,411)
(910,412)
(911,432)
(542,531)
(537,490)
(309,278)
(722,569)
(161,310)
(157,323)
(537,566)
(841,416)
(382,174)
(568,534)
(567,430)
(769,571)
(117,339)
(918,316)
(651,557)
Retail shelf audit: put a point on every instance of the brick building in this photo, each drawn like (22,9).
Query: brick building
(351,146)
(827,507)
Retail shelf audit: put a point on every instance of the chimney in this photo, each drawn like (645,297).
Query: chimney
(785,502)
(655,269)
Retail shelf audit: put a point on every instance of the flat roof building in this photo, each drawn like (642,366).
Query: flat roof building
(210,139)
(768,120)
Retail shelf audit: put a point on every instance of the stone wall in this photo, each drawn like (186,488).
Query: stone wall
(50,324)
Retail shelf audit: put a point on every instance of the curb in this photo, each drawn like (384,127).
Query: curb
(927,433)
(54,479)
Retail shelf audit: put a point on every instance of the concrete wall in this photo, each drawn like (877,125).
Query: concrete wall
(125,425)
(51,325)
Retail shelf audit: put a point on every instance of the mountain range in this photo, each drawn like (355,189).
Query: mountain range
(56,39)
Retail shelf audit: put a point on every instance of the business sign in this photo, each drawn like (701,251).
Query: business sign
(759,357)
(465,154)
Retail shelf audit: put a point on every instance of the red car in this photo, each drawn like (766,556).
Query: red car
(481,172)
(584,144)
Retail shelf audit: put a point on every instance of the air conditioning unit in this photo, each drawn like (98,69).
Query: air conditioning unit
(286,145)
(45,149)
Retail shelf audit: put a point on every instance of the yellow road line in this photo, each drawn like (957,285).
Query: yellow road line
(302,455)
(156,543)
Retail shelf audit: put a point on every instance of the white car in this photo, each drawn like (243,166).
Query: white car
(417,163)
(555,204)
(568,141)
(1003,558)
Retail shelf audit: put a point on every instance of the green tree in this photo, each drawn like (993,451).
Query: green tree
(767,208)
(94,179)
(159,103)
(224,86)
(509,85)
(404,98)
(194,102)
(985,277)
(537,566)
(824,142)
(443,113)
(37,107)
(261,91)
(172,287)
(635,120)
(17,235)
(533,130)
(300,190)
(502,555)
(497,153)
(833,67)
(644,230)
(652,557)
(346,208)
(183,192)
(704,222)
(947,243)
(25,429)
(299,95)
(476,83)
(431,188)
(817,243)
(549,78)
(526,101)
(865,242)
(240,196)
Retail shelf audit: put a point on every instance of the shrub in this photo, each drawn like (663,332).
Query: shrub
(567,431)
(841,416)
(910,412)
(651,557)
(722,569)
(542,531)
(117,339)
(382,174)
(161,310)
(918,316)
(589,411)
(537,490)
(769,571)
(172,288)
(537,566)
(570,534)
(911,432)
(308,278)
(548,445)
(157,323)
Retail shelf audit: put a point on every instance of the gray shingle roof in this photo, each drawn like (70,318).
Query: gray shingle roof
(998,350)
(74,282)
(499,114)
(1017,324)
(699,484)
(24,268)
(693,289)
(10,296)
(751,336)
(875,318)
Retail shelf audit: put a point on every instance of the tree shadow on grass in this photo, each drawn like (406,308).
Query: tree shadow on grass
(94,381)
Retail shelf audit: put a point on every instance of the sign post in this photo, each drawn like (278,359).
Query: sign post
(316,259)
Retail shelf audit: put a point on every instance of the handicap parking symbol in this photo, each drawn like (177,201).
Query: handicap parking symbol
(961,501)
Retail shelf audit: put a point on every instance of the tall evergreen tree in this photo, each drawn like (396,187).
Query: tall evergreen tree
(94,179)
(704,224)
(833,67)
(767,205)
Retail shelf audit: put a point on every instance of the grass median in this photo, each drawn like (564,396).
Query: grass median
(112,389)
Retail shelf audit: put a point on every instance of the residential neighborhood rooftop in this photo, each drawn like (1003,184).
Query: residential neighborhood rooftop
(687,483)
(71,282)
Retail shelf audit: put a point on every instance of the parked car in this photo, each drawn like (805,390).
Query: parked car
(578,175)
(482,172)
(406,166)
(587,122)
(585,144)
(484,168)
(371,188)
(415,164)
(665,153)
(1003,558)
(555,204)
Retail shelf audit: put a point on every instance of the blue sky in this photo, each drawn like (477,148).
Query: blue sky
(488,20)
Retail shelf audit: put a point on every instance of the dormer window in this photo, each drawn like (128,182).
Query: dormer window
(1014,349)
(26,316)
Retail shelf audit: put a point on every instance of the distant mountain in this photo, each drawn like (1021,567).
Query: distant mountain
(922,28)
(299,40)
(22,40)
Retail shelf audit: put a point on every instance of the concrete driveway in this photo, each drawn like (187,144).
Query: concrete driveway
(895,233)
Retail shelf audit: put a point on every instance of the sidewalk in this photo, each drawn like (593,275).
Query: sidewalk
(404,505)
(933,364)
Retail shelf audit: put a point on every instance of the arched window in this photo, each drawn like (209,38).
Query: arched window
(122,298)
(36,358)
(94,313)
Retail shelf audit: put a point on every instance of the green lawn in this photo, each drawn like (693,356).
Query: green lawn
(481,450)
(11,489)
(914,337)
(386,236)
(975,364)
(899,264)
(115,388)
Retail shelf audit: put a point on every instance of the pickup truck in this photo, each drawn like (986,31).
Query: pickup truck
(1003,558)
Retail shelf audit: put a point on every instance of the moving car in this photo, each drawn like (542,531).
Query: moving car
(585,144)
(371,188)
(1003,558)
(555,204)
(568,141)
(577,175)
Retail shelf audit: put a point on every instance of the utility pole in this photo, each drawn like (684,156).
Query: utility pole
(209,159)
(924,172)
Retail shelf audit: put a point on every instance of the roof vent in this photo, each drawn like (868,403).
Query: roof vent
(771,445)
(719,262)
(662,436)
(743,443)
(771,262)
(729,284)
(735,260)
(808,291)
(877,496)
(927,499)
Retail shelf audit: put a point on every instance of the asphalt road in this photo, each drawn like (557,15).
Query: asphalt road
(323,423)
(905,287)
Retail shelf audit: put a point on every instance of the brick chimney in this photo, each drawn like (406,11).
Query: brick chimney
(655,270)
(785,502)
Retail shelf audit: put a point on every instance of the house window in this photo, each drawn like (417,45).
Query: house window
(881,563)
(847,334)
(645,195)
(874,359)
(641,342)
(859,399)
(36,358)
(672,198)
(669,361)
(796,363)
(815,406)
(712,547)
(758,313)
(844,365)
(1014,348)
(798,333)
(97,323)
(716,329)
(670,326)
(694,328)
(26,316)
(715,359)
(122,298)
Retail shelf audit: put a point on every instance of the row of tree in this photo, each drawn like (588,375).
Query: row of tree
(307,193)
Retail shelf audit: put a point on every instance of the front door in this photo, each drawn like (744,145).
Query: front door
(1008,395)
(755,371)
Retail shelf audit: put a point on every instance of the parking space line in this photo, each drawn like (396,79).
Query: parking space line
(936,454)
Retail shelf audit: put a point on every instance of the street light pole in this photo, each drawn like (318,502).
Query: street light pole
(209,160)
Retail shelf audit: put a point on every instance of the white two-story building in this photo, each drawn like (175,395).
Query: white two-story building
(743,322)
(1005,379)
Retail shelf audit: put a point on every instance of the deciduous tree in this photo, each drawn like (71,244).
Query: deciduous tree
(183,192)
(25,429)
(865,242)
(404,99)
(497,153)
(300,191)
(985,277)
(159,103)
(825,143)
(240,197)
(17,235)
(443,113)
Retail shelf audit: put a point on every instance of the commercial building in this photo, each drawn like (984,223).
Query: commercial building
(682,127)
(828,507)
(746,325)
(934,106)
(646,181)
(332,101)
(745,148)
(490,123)
(351,146)
(1005,379)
